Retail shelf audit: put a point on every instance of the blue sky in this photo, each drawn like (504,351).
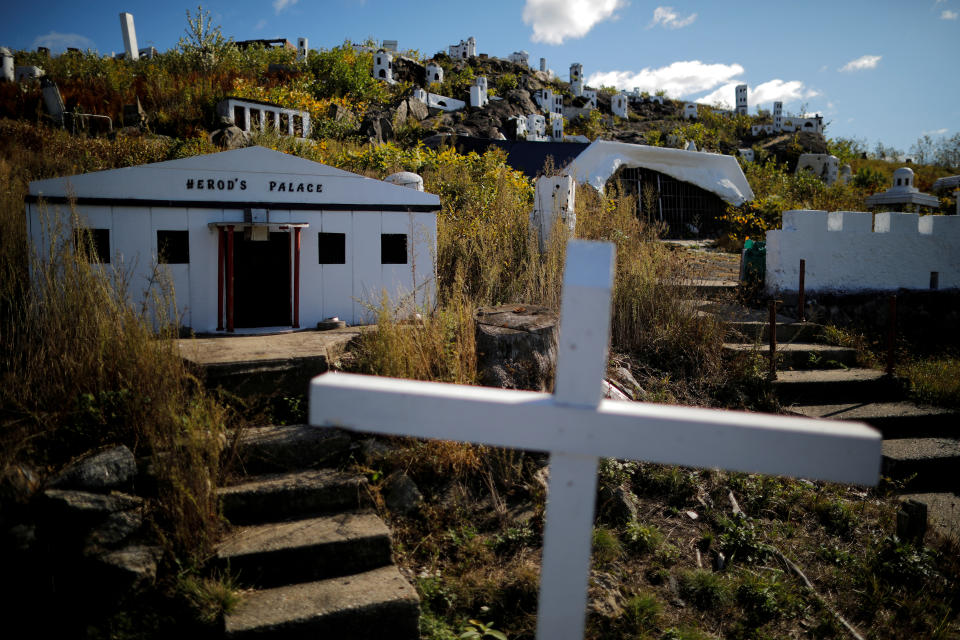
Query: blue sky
(876,69)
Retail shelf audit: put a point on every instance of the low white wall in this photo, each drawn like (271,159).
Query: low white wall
(857,251)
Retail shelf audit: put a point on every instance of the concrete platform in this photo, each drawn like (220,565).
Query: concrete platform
(289,495)
(893,419)
(943,512)
(274,363)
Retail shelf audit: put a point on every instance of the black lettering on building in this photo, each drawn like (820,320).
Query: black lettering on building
(273,185)
(243,185)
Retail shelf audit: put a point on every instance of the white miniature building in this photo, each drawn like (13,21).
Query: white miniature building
(28,73)
(434,72)
(747,154)
(406,179)
(7,69)
(543,65)
(823,165)
(521,124)
(556,127)
(553,200)
(549,101)
(691,146)
(129,36)
(536,128)
(390,45)
(576,79)
(478,92)
(902,193)
(436,101)
(778,116)
(741,97)
(520,57)
(252,237)
(591,96)
(618,105)
(303,48)
(757,129)
(466,49)
(690,111)
(251,115)
(383,65)
(150,53)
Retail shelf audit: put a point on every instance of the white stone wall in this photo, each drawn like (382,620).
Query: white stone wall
(269,116)
(618,104)
(591,95)
(520,57)
(843,254)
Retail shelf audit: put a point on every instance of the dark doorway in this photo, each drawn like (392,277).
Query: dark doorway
(261,281)
(685,210)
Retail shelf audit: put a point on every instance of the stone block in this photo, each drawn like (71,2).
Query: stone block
(940,227)
(102,471)
(850,221)
(805,220)
(896,223)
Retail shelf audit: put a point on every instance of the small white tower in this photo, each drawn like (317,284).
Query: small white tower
(778,116)
(690,111)
(576,79)
(129,36)
(434,72)
(556,127)
(7,57)
(741,99)
(618,104)
(302,48)
(383,65)
(478,92)
(543,64)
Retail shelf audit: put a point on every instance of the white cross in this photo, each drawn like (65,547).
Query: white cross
(576,425)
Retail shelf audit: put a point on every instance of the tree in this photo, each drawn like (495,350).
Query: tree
(202,43)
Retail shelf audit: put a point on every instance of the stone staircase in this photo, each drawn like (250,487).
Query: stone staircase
(921,444)
(315,557)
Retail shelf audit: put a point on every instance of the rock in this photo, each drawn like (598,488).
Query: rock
(374,451)
(18,483)
(232,137)
(400,116)
(376,127)
(622,377)
(521,98)
(338,112)
(417,109)
(613,393)
(83,504)
(118,527)
(128,568)
(401,494)
(618,505)
(516,346)
(110,469)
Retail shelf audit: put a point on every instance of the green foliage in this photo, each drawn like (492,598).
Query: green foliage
(606,546)
(836,515)
(763,598)
(904,563)
(342,72)
(934,380)
(211,597)
(476,630)
(642,538)
(507,82)
(740,539)
(706,590)
(641,614)
(676,485)
(869,178)
(202,44)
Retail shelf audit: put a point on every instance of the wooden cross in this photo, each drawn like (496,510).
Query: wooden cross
(576,426)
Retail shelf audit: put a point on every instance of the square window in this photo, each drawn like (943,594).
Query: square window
(332,248)
(393,248)
(173,247)
(94,243)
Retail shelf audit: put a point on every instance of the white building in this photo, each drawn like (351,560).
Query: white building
(690,111)
(902,193)
(787,123)
(576,79)
(591,96)
(303,48)
(618,105)
(129,36)
(478,92)
(24,73)
(520,57)
(383,65)
(549,101)
(554,200)
(741,99)
(434,72)
(7,58)
(556,127)
(521,124)
(251,238)
(251,115)
(466,49)
(823,165)
(436,101)
(536,128)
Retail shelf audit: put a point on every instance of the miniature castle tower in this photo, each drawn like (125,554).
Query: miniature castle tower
(576,79)
(302,48)
(383,65)
(777,116)
(478,92)
(129,36)
(466,49)
(591,95)
(543,64)
(556,127)
(741,99)
(521,122)
(690,111)
(618,104)
(434,72)
(536,127)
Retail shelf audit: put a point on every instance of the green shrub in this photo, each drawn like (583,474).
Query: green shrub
(705,589)
(642,538)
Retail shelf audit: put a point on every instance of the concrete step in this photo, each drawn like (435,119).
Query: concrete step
(892,419)
(275,554)
(711,289)
(813,386)
(278,448)
(275,497)
(927,463)
(369,605)
(797,355)
(759,331)
(943,511)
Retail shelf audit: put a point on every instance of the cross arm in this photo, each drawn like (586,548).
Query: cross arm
(750,442)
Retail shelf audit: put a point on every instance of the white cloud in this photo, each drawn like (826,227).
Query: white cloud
(935,132)
(948,15)
(770,91)
(677,79)
(280,5)
(670,19)
(861,63)
(60,41)
(260,24)
(554,21)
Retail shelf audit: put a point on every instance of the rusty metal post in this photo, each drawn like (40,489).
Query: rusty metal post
(772,306)
(800,298)
(892,335)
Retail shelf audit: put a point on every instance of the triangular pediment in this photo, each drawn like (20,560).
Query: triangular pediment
(249,175)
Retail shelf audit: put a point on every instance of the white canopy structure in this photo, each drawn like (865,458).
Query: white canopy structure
(718,174)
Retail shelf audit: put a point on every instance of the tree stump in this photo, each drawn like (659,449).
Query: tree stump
(516,346)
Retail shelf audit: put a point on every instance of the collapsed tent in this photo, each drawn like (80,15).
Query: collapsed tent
(718,174)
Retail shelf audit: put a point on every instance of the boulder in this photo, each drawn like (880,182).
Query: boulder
(232,137)
(127,569)
(417,109)
(86,505)
(110,469)
(521,98)
(117,528)
(401,494)
(516,346)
